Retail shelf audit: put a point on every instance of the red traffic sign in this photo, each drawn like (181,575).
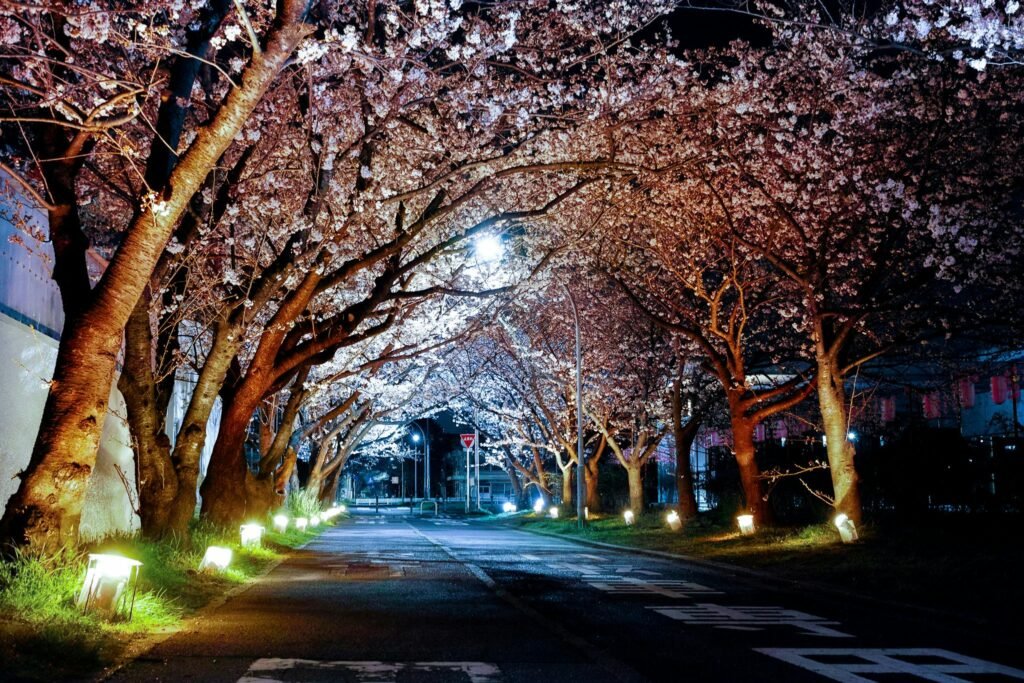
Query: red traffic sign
(467,440)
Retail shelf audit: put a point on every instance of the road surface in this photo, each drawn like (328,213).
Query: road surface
(392,598)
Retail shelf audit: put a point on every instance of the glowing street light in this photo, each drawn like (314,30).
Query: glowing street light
(216,558)
(673,521)
(301,523)
(110,585)
(281,522)
(488,248)
(252,535)
(629,517)
(847,529)
(746,523)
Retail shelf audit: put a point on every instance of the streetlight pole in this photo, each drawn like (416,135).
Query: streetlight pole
(581,470)
(426,459)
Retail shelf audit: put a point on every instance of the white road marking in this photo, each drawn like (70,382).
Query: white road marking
(749,618)
(267,670)
(928,664)
(626,585)
(529,558)
(630,570)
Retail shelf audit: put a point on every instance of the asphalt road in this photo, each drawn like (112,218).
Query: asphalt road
(390,598)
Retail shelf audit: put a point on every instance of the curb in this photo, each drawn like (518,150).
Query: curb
(138,648)
(786,584)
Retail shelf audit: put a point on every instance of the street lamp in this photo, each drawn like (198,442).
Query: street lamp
(581,470)
(426,458)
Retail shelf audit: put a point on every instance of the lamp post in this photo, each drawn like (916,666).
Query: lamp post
(426,458)
(581,470)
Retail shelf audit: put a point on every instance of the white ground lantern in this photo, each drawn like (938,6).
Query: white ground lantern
(110,585)
(216,559)
(509,507)
(301,523)
(554,513)
(629,517)
(538,506)
(673,521)
(252,535)
(281,522)
(314,520)
(847,529)
(746,523)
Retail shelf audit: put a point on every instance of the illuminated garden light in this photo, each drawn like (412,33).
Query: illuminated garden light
(629,517)
(746,523)
(538,506)
(281,522)
(110,585)
(252,535)
(314,520)
(673,521)
(216,558)
(553,512)
(301,523)
(488,248)
(509,507)
(847,529)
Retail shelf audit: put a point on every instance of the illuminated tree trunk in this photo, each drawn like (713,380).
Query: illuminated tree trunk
(634,475)
(683,437)
(750,475)
(45,511)
(835,420)
(567,487)
(592,481)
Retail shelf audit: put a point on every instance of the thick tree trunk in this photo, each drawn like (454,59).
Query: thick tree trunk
(223,489)
(750,474)
(593,479)
(634,476)
(567,487)
(284,473)
(158,482)
(835,419)
(45,511)
(682,437)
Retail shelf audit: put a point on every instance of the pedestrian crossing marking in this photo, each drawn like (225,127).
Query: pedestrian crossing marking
(750,618)
(626,585)
(274,670)
(927,664)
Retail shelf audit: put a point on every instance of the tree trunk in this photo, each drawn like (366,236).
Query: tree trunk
(567,487)
(682,437)
(191,438)
(223,489)
(841,452)
(45,511)
(593,474)
(158,482)
(750,475)
(636,488)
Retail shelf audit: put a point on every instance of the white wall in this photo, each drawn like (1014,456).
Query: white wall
(27,358)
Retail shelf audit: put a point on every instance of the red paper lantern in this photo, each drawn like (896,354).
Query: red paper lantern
(932,404)
(888,409)
(999,389)
(966,391)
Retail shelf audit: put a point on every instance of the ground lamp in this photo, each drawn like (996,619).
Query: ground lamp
(314,520)
(252,535)
(554,513)
(281,522)
(629,517)
(509,507)
(538,507)
(847,529)
(215,559)
(746,523)
(301,523)
(673,521)
(110,585)
(342,508)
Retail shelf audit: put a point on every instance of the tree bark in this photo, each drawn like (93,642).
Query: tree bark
(634,475)
(682,437)
(750,474)
(158,482)
(45,511)
(835,420)
(567,487)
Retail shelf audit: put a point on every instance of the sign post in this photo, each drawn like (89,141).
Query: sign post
(467,442)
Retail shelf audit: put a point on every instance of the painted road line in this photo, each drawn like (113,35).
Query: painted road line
(274,670)
(750,618)
(625,585)
(927,664)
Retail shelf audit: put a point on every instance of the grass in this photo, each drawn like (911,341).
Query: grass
(38,615)
(965,564)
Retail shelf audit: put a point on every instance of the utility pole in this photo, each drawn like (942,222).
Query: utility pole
(581,469)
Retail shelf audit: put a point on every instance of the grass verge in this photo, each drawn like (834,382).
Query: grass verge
(44,636)
(961,564)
